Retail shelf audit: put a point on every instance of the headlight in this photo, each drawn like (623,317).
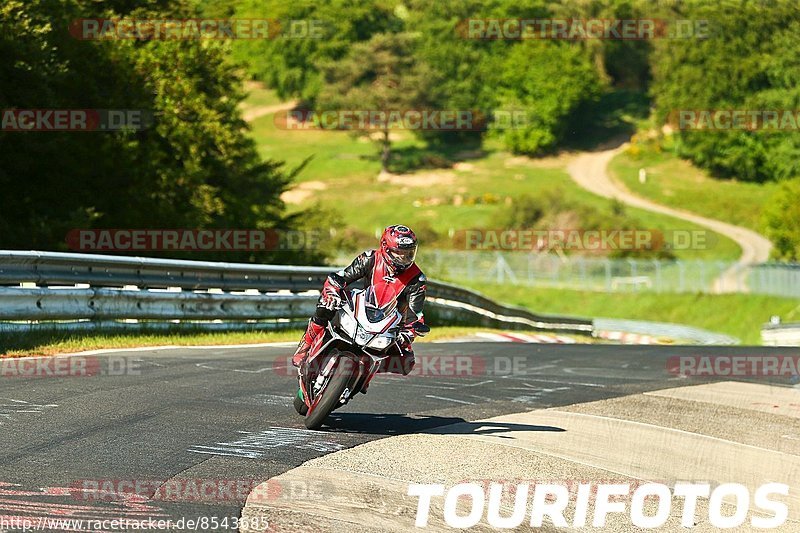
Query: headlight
(380,342)
(361,336)
(348,323)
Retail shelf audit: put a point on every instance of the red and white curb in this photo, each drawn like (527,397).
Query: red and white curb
(537,338)
(619,337)
(629,338)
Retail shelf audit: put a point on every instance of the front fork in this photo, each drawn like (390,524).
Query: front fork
(368,367)
(309,387)
(367,373)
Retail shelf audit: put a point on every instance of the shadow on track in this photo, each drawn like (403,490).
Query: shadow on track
(492,428)
(385,424)
(397,424)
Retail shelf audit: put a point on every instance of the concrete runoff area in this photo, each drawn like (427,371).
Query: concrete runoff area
(651,437)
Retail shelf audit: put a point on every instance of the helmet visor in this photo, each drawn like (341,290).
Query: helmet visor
(403,257)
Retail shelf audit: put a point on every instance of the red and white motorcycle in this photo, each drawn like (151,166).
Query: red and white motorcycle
(342,362)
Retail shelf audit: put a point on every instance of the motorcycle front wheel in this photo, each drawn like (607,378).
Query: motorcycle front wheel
(342,374)
(300,404)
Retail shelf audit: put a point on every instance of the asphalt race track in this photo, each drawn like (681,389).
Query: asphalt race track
(187,416)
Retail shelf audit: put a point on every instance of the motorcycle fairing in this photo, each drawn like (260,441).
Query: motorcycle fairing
(386,284)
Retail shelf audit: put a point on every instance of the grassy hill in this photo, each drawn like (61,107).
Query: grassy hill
(343,174)
(448,189)
(677,183)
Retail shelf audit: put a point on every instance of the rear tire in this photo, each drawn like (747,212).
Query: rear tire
(300,404)
(342,375)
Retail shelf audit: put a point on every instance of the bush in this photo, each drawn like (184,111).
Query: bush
(783,221)
(552,211)
(750,62)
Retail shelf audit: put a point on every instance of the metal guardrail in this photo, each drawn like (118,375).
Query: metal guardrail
(50,286)
(780,334)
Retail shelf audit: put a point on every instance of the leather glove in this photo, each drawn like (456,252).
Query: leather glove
(331,300)
(405,338)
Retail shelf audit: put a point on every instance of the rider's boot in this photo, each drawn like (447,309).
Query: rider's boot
(313,331)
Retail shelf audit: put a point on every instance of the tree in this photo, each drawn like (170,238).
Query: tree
(548,81)
(289,63)
(783,221)
(194,167)
(750,61)
(378,75)
(545,81)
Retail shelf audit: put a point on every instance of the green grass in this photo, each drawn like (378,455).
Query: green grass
(336,156)
(51,343)
(345,170)
(348,167)
(739,315)
(258,96)
(677,183)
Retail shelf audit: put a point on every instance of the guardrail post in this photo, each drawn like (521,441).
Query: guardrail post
(657,268)
(703,287)
(531,275)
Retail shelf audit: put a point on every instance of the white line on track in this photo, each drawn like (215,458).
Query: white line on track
(668,429)
(566,382)
(407,383)
(588,372)
(480,383)
(448,399)
(152,363)
(540,367)
(481,397)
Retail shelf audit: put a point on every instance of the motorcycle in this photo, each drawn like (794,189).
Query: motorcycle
(342,362)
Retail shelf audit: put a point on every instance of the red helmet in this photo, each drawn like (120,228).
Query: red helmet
(398,247)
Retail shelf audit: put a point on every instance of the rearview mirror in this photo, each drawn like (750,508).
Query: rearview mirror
(421,329)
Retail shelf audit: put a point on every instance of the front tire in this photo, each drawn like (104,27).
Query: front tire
(300,404)
(342,375)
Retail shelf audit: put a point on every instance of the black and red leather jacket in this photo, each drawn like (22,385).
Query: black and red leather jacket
(408,286)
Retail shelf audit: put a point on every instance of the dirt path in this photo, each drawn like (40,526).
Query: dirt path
(589,170)
(249,114)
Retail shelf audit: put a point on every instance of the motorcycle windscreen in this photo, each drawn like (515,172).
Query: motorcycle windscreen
(373,318)
(375,313)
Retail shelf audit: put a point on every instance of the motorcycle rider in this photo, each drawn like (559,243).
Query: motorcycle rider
(391,271)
